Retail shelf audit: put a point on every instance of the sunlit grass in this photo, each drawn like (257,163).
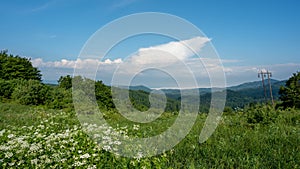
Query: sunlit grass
(34,137)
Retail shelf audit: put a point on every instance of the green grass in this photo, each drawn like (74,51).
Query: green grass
(34,137)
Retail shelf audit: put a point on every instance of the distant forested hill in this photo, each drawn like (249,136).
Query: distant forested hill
(237,96)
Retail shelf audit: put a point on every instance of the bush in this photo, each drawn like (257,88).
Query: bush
(261,114)
(290,94)
(60,99)
(7,87)
(31,92)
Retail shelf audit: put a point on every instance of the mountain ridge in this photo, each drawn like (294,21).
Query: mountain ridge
(242,86)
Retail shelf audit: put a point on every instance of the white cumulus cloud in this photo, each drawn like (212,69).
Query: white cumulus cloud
(79,63)
(169,53)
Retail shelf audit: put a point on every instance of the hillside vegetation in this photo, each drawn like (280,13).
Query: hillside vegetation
(40,129)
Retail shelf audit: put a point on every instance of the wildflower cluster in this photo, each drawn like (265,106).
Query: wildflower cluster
(47,145)
(54,144)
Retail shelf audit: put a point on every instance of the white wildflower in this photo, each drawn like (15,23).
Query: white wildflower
(10,136)
(78,163)
(87,155)
(92,167)
(19,151)
(43,157)
(117,142)
(11,164)
(2,132)
(34,161)
(34,147)
(106,147)
(106,139)
(136,127)
(47,161)
(64,142)
(139,156)
(96,135)
(20,162)
(5,148)
(63,160)
(9,154)
(41,126)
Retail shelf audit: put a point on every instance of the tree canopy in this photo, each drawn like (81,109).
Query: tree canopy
(16,67)
(65,82)
(290,94)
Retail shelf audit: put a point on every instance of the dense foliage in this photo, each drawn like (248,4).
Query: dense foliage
(65,82)
(31,92)
(15,67)
(290,94)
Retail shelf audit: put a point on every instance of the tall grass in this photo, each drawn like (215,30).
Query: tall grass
(260,137)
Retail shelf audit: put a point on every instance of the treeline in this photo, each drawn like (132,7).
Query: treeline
(21,82)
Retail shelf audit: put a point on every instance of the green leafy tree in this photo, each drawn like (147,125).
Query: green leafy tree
(15,67)
(31,92)
(103,95)
(290,94)
(7,87)
(65,82)
(60,98)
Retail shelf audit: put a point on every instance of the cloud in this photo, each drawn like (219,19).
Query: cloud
(79,63)
(234,74)
(172,62)
(168,53)
(44,6)
(122,3)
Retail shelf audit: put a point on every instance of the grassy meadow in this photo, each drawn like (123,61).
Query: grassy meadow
(257,137)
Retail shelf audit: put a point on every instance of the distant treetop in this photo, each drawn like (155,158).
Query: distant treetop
(290,93)
(16,67)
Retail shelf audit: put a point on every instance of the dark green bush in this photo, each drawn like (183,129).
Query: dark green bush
(31,92)
(60,98)
(7,87)
(261,114)
(290,93)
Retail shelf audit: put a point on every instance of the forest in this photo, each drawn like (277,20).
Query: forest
(39,127)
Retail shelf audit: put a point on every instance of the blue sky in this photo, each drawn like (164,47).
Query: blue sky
(247,34)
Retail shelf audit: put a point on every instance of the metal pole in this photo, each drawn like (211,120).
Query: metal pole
(263,75)
(270,86)
(263,82)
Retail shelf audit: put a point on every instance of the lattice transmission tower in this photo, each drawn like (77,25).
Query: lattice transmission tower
(266,74)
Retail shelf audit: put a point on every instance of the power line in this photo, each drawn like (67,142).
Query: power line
(263,75)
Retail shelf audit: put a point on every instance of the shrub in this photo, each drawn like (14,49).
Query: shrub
(261,114)
(7,87)
(290,94)
(60,99)
(31,92)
